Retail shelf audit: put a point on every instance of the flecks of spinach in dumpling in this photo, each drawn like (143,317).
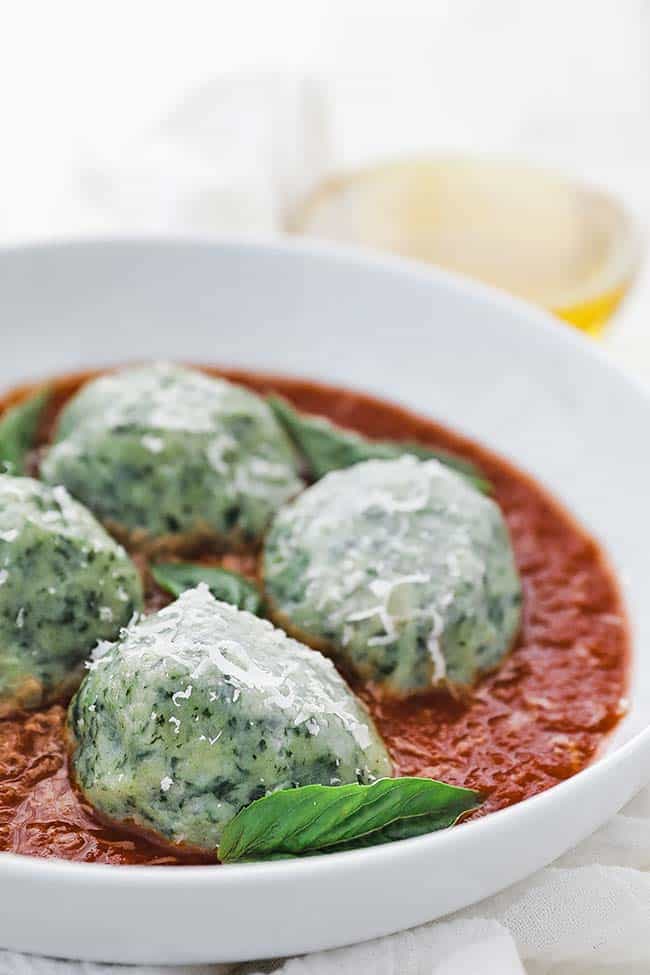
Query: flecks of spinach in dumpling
(166,455)
(399,567)
(202,708)
(64,585)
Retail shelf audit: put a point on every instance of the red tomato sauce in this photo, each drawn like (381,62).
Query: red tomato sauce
(537,720)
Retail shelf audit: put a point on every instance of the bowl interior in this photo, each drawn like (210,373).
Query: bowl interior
(485,364)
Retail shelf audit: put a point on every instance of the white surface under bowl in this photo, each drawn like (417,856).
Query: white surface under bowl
(485,364)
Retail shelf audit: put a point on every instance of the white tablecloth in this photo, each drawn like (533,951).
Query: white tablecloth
(590,911)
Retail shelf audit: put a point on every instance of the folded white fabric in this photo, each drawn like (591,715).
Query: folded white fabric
(447,948)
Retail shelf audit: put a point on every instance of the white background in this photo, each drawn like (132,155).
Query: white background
(560,81)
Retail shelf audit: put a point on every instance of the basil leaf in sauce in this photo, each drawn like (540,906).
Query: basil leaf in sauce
(325,819)
(18,428)
(328,447)
(229,587)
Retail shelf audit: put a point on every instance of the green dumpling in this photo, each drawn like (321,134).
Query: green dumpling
(64,585)
(400,568)
(200,709)
(167,455)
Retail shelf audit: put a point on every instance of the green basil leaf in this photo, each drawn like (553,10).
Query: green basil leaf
(328,447)
(320,818)
(18,429)
(229,587)
(403,829)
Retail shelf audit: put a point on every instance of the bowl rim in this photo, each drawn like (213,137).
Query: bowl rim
(530,317)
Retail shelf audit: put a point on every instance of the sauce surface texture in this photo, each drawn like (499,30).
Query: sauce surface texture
(536,721)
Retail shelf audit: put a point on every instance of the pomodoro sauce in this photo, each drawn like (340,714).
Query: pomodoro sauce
(536,721)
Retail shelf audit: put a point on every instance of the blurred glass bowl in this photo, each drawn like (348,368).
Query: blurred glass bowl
(570,248)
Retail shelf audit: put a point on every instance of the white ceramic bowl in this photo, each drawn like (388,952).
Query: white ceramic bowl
(483,363)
